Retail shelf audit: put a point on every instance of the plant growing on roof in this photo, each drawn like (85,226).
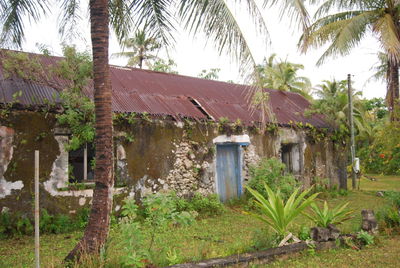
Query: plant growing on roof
(324,217)
(277,213)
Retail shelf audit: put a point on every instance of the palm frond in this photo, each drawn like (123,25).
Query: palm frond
(156,16)
(388,34)
(12,14)
(69,18)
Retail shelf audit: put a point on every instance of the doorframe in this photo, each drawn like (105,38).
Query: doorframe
(240,141)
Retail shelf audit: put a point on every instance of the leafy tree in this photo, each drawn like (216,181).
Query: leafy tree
(283,75)
(142,48)
(343,25)
(212,74)
(164,66)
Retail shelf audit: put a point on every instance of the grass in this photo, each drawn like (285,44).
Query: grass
(385,254)
(230,233)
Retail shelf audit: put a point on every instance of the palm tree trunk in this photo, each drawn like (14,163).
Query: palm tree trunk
(392,96)
(97,229)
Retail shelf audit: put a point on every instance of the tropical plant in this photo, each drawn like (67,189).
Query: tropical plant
(283,75)
(366,238)
(332,101)
(142,47)
(349,24)
(277,213)
(324,217)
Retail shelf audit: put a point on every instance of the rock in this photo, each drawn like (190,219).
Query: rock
(334,232)
(320,234)
(369,222)
(188,163)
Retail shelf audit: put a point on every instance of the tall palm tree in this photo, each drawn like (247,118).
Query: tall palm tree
(142,47)
(282,75)
(349,24)
(215,18)
(332,101)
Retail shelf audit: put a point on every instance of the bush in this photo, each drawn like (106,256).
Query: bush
(271,171)
(324,217)
(18,224)
(159,213)
(383,154)
(203,205)
(390,214)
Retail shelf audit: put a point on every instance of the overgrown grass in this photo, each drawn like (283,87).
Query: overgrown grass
(230,233)
(385,254)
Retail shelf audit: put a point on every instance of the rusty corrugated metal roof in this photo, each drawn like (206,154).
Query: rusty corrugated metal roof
(139,91)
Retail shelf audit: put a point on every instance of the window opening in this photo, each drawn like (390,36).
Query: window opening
(290,156)
(80,164)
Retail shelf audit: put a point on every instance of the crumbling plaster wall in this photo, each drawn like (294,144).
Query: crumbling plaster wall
(163,155)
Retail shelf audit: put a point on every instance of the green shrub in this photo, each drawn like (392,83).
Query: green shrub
(390,213)
(304,233)
(18,224)
(324,217)
(277,213)
(159,213)
(382,155)
(271,171)
(365,238)
(204,205)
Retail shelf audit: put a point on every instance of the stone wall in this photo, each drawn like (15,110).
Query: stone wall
(162,155)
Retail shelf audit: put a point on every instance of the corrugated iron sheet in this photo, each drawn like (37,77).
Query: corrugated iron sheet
(136,90)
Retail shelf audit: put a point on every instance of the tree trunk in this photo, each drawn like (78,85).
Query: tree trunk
(392,96)
(97,229)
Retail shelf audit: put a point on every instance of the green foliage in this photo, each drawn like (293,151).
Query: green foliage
(324,217)
(304,233)
(159,214)
(277,213)
(18,224)
(365,238)
(212,74)
(383,154)
(389,214)
(283,75)
(271,171)
(78,113)
(203,205)
(164,66)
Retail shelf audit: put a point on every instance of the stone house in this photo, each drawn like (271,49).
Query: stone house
(180,140)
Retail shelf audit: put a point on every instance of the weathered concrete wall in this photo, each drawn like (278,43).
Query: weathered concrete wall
(158,156)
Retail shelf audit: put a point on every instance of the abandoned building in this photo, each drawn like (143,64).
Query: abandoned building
(180,140)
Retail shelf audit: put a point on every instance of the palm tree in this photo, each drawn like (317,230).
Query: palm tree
(212,17)
(345,29)
(332,101)
(142,47)
(282,75)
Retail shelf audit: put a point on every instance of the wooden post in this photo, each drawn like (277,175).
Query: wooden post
(352,143)
(37,245)
(85,163)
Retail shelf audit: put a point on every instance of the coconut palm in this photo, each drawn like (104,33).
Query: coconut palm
(142,47)
(282,75)
(332,101)
(215,18)
(349,24)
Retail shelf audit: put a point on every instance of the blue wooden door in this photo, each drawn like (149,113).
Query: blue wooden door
(228,171)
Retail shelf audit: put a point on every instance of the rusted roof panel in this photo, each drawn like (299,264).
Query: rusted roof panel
(139,91)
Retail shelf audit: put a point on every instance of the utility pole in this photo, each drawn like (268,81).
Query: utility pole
(352,143)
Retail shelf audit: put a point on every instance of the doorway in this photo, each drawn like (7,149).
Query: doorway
(229,171)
